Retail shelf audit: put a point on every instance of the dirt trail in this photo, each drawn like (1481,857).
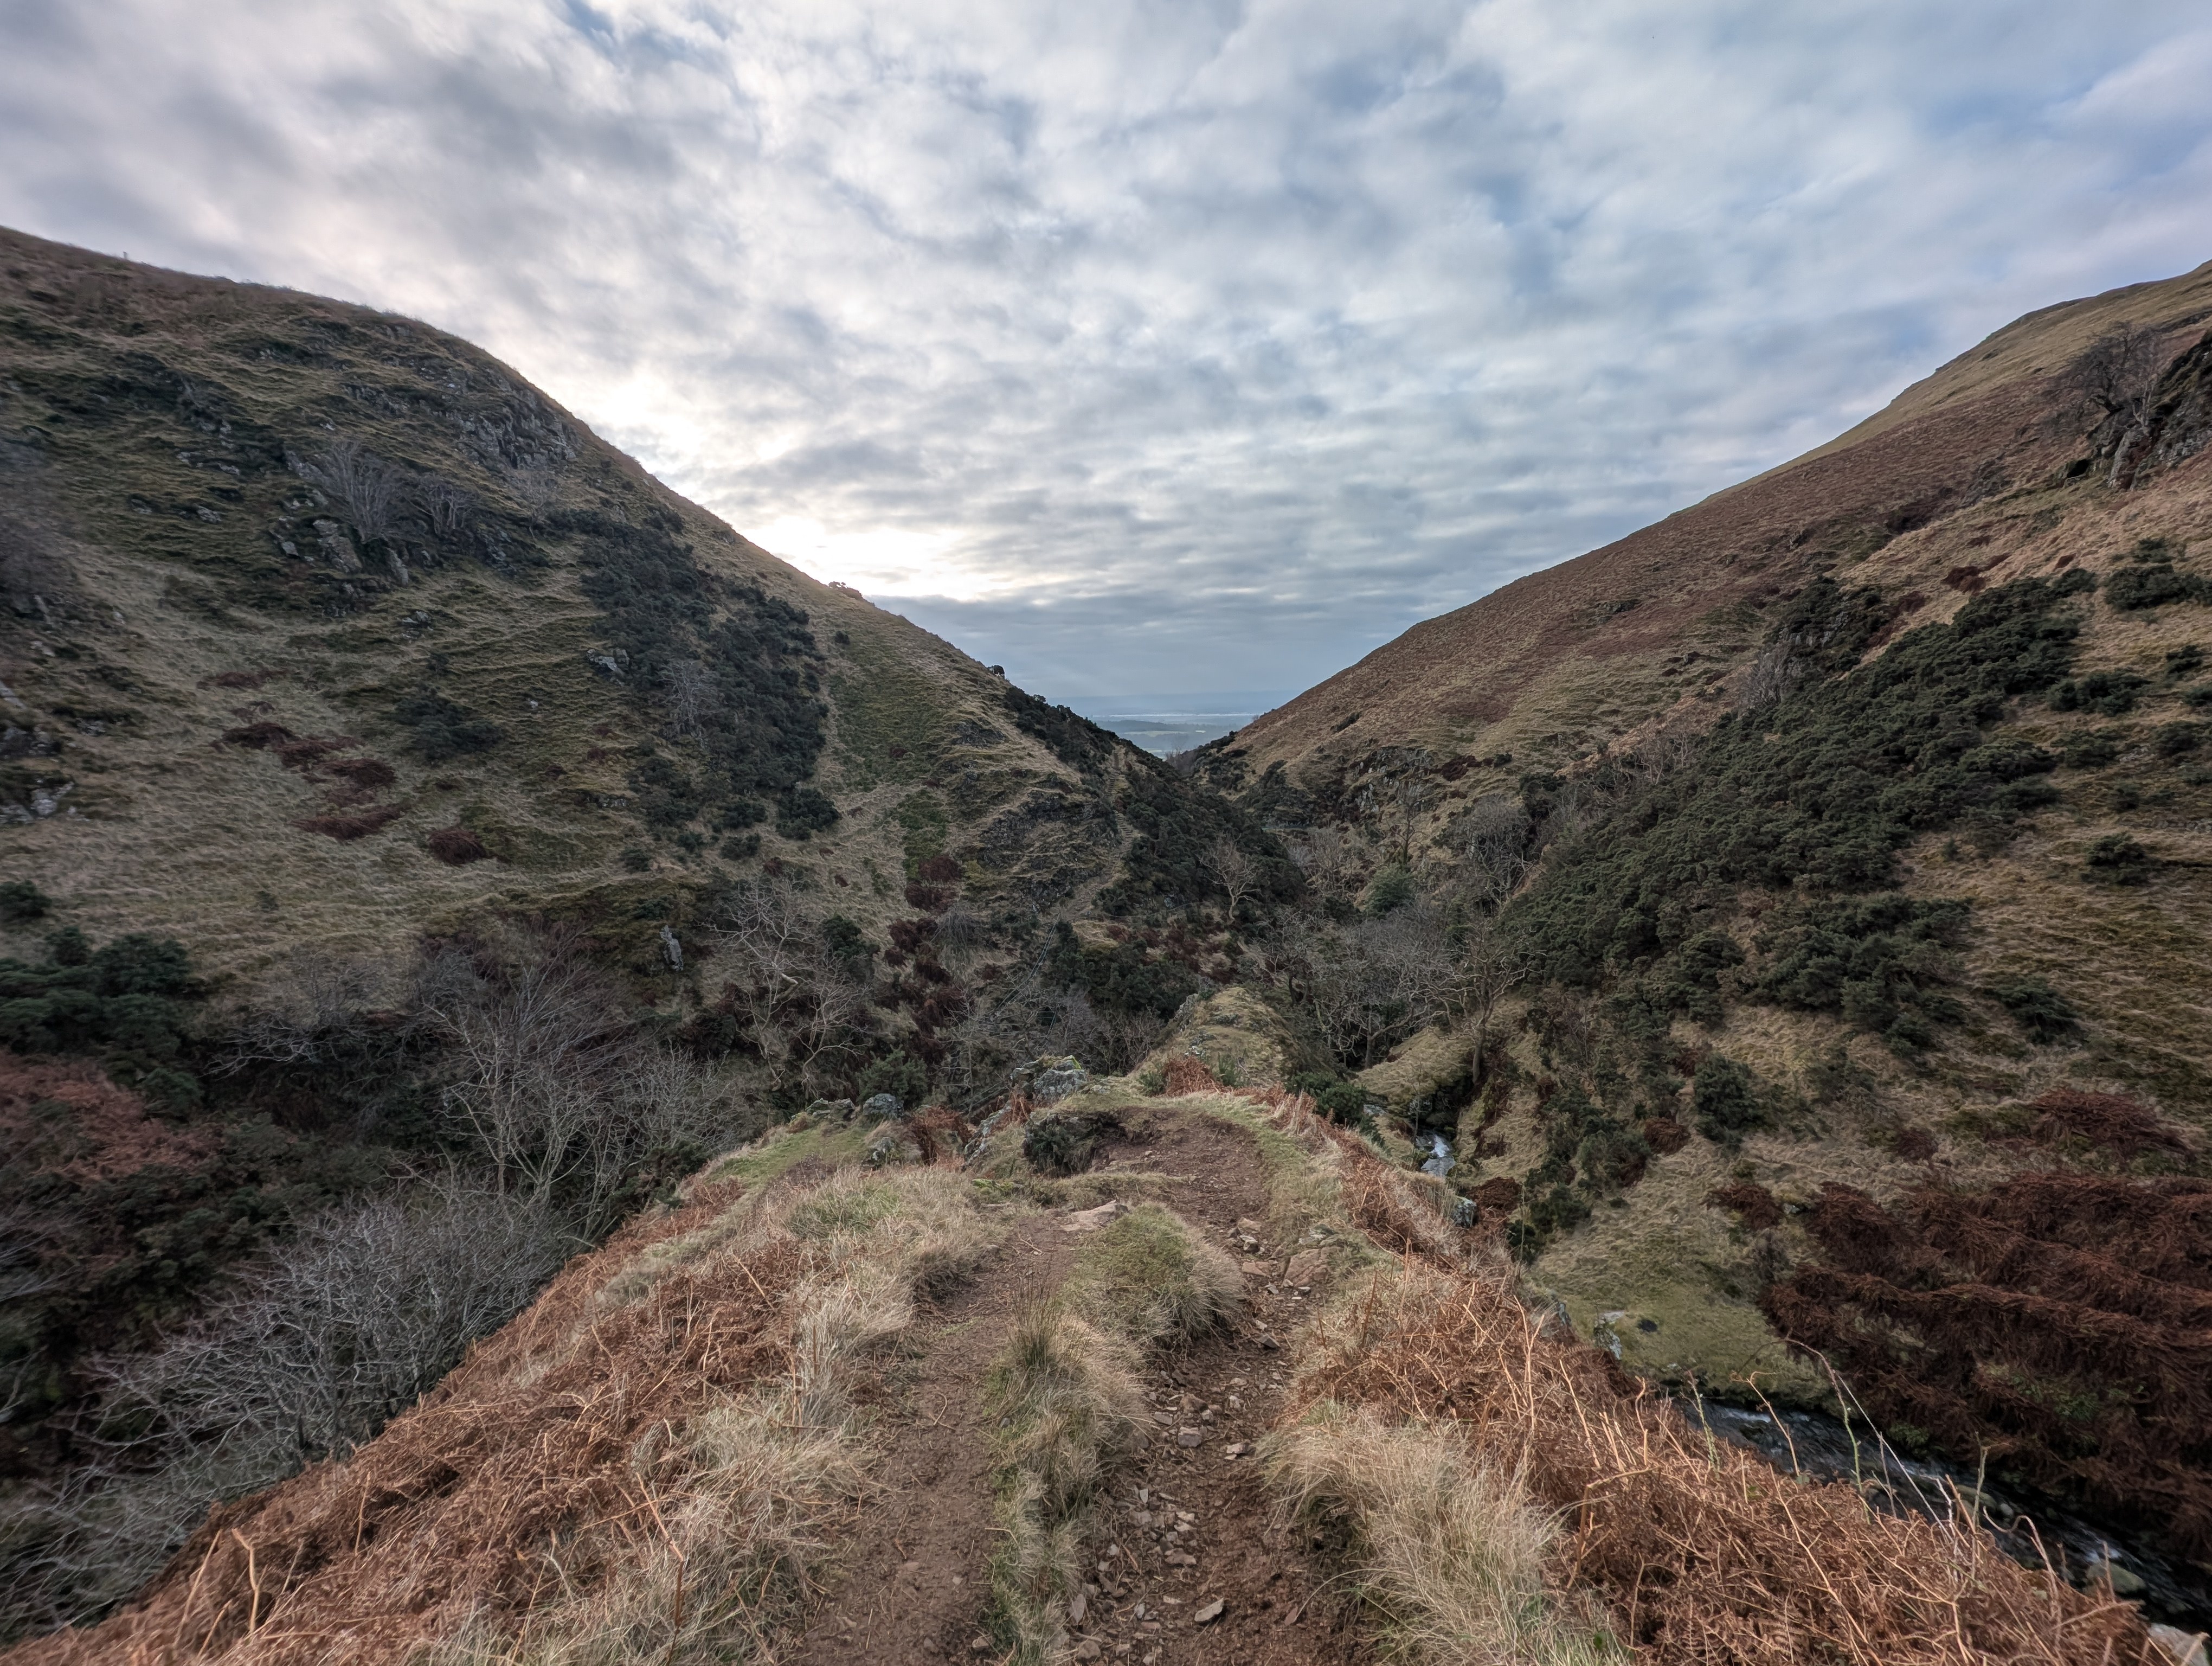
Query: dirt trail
(1184,1527)
(1196,1525)
(916,1580)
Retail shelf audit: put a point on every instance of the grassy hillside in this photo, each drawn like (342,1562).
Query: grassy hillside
(1835,855)
(396,781)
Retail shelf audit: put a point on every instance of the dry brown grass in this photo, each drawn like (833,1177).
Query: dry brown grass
(1702,1553)
(643,1466)
(1452,1552)
(1066,1395)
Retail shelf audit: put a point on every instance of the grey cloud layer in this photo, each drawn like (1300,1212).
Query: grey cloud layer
(1146,345)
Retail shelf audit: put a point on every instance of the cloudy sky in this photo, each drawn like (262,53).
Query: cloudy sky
(1151,345)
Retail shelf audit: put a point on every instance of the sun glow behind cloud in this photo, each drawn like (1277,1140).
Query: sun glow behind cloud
(1141,345)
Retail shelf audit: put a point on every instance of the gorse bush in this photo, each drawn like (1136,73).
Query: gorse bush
(127,1003)
(1179,826)
(732,669)
(1813,793)
(22,901)
(439,728)
(2107,693)
(2045,1015)
(1724,1100)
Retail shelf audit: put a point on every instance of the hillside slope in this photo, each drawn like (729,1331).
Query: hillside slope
(366,723)
(293,586)
(1573,658)
(1843,843)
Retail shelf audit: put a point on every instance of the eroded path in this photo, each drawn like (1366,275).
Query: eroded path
(1188,1529)
(1194,1524)
(916,1583)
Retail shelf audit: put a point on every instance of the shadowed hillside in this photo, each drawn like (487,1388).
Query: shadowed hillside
(1829,860)
(396,781)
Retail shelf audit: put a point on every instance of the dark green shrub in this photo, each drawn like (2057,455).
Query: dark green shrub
(22,901)
(901,1075)
(1723,1100)
(740,850)
(2153,584)
(2181,661)
(1120,979)
(848,945)
(2109,693)
(667,797)
(439,728)
(2199,697)
(636,859)
(2117,860)
(1058,1144)
(1177,822)
(803,812)
(2039,1009)
(125,1003)
(1816,793)
(1874,960)
(2177,740)
(1072,738)
(1611,1158)
(1339,1100)
(2088,751)
(1393,889)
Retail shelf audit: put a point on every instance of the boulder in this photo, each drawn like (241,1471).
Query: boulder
(1046,1080)
(894,1144)
(1307,1268)
(881,1107)
(830,1110)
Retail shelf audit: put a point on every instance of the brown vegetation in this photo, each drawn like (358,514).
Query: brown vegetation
(1190,1076)
(455,846)
(63,1116)
(2118,1124)
(1754,1205)
(2059,1322)
(349,824)
(1701,1552)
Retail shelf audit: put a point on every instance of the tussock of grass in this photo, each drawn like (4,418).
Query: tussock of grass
(1452,1551)
(1066,1396)
(1151,1277)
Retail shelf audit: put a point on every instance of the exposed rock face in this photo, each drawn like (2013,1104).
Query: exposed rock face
(1046,1081)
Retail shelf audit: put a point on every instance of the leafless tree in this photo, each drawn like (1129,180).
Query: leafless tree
(335,1332)
(2117,379)
(447,508)
(532,1046)
(802,1005)
(1324,855)
(1399,796)
(314,1003)
(373,492)
(1232,868)
(1369,987)
(692,695)
(1484,968)
(1493,836)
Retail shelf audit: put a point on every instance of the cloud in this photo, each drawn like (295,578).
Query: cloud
(1139,345)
